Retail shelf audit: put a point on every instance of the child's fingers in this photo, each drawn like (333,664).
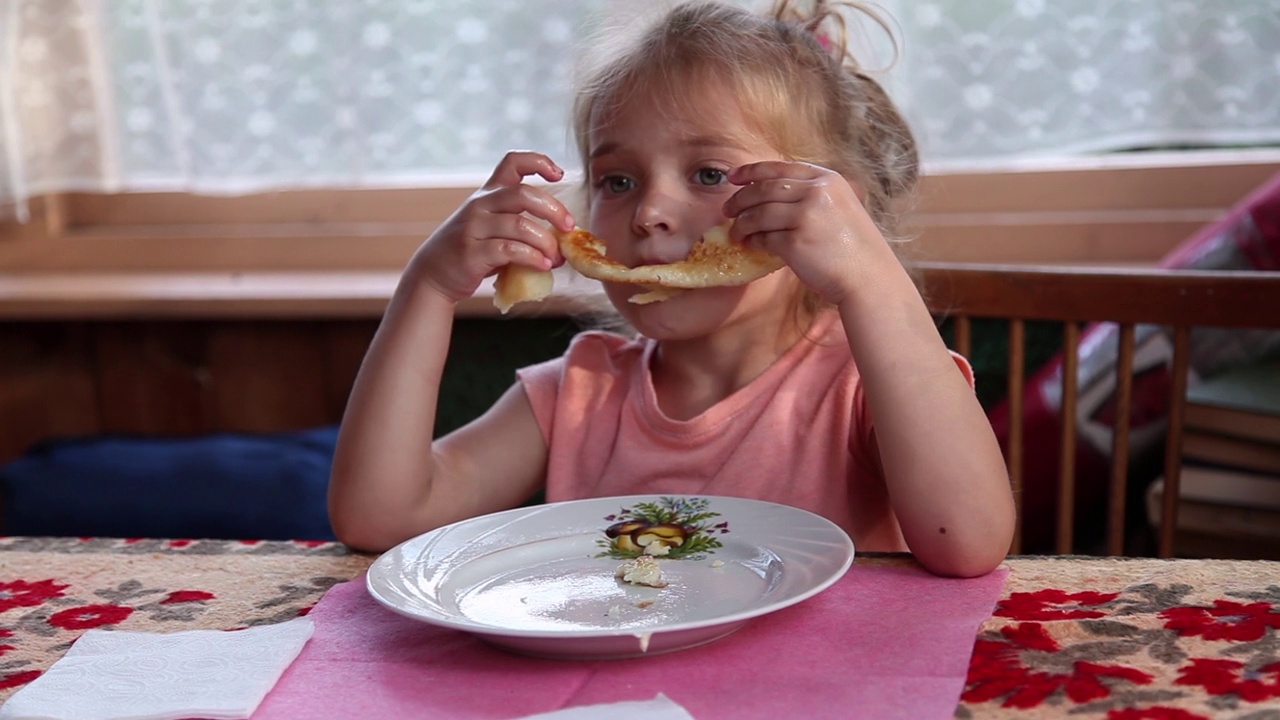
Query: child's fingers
(761,224)
(497,253)
(770,240)
(771,181)
(516,165)
(524,229)
(775,170)
(787,190)
(539,203)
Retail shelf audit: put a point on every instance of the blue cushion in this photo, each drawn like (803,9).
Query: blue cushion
(239,486)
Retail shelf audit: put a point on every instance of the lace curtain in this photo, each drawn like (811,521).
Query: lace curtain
(1013,78)
(242,95)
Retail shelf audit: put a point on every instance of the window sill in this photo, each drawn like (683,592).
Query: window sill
(242,295)
(338,253)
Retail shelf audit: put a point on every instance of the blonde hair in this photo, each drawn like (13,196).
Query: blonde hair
(793,72)
(794,75)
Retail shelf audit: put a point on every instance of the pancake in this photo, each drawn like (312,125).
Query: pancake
(714,261)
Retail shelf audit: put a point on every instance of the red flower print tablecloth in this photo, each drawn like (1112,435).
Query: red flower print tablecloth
(1130,640)
(54,589)
(1094,638)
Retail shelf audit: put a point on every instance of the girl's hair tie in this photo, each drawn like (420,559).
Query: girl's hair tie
(823,39)
(825,21)
(827,26)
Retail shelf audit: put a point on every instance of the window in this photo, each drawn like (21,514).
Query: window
(217,96)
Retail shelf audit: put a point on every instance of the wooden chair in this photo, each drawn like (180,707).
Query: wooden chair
(1179,299)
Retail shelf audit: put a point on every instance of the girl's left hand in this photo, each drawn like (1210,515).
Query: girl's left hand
(810,217)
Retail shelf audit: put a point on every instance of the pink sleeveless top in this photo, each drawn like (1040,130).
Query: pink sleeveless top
(798,434)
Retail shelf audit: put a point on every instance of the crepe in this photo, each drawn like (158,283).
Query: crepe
(714,261)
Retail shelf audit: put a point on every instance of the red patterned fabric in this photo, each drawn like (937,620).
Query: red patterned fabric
(1090,638)
(1152,650)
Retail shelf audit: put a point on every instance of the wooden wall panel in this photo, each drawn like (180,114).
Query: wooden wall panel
(48,384)
(318,207)
(154,378)
(1157,181)
(1032,242)
(336,230)
(169,378)
(68,367)
(183,250)
(344,345)
(267,376)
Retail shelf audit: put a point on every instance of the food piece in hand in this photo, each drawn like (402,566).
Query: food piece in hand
(643,570)
(714,261)
(517,283)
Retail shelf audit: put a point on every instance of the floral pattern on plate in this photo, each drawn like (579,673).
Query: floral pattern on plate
(673,528)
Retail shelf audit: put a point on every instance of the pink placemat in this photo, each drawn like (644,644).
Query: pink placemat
(883,642)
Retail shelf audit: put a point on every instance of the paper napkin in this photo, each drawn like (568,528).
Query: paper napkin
(660,707)
(118,674)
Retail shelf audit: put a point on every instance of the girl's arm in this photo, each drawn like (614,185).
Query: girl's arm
(946,477)
(944,472)
(390,481)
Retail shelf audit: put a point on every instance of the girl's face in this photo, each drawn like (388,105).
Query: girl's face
(656,183)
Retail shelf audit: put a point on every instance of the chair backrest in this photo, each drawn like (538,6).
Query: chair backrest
(1075,296)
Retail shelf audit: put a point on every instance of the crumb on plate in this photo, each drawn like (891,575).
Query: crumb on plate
(643,570)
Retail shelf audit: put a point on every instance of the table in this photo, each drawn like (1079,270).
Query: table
(1095,638)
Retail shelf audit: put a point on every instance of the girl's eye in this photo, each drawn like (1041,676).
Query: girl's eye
(710,176)
(616,183)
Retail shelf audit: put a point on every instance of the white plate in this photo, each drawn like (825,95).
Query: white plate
(531,580)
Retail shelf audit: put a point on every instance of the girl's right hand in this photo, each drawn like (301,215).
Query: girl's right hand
(495,227)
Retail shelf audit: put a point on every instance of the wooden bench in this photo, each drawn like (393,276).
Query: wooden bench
(1180,300)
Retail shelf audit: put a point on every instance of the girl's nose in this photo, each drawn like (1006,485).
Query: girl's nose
(654,215)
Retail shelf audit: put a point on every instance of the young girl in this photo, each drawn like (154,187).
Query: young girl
(824,385)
